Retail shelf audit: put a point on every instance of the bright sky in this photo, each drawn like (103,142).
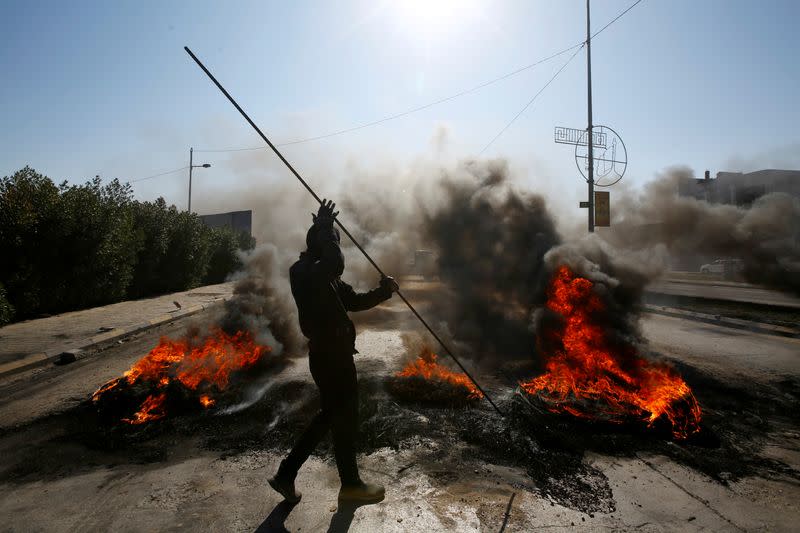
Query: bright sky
(105,87)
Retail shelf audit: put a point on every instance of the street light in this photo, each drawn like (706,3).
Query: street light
(191,166)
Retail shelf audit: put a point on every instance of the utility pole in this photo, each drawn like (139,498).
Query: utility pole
(189,208)
(590,136)
(191,166)
(609,142)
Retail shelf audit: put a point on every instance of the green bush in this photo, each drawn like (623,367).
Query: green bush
(29,234)
(174,252)
(151,220)
(73,246)
(97,245)
(188,252)
(224,258)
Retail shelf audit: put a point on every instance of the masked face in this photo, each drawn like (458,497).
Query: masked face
(312,249)
(312,242)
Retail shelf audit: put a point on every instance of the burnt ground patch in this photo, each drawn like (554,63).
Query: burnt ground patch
(739,419)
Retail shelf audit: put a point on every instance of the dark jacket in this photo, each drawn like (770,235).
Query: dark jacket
(323,299)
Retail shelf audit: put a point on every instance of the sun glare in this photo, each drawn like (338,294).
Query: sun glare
(434,16)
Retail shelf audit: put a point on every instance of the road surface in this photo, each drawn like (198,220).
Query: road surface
(444,469)
(723,350)
(735,292)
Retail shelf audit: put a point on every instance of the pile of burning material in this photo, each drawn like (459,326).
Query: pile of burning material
(180,376)
(592,378)
(423,380)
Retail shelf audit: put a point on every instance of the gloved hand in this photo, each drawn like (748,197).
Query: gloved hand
(389,284)
(325,216)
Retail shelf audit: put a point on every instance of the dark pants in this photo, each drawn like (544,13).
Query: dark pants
(335,376)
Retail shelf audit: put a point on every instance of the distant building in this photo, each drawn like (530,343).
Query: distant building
(241,221)
(737,188)
(732,188)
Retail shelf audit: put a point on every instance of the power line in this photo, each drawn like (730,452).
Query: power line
(431,104)
(556,75)
(535,96)
(598,32)
(409,111)
(157,175)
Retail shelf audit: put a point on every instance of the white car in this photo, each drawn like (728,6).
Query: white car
(722,266)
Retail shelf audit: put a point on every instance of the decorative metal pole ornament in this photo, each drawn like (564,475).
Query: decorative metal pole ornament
(609,160)
(609,155)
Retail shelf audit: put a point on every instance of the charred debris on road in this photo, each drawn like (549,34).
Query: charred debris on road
(740,419)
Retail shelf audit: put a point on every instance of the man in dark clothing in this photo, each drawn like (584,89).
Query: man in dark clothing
(323,301)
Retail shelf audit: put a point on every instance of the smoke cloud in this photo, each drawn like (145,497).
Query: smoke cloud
(764,236)
(497,246)
(262,303)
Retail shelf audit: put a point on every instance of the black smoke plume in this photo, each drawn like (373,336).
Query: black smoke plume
(491,239)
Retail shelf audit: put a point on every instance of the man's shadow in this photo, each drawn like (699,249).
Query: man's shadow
(340,522)
(343,517)
(274,521)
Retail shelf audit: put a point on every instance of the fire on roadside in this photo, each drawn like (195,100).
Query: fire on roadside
(197,371)
(426,368)
(588,378)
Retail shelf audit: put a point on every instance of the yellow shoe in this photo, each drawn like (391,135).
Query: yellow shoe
(361,493)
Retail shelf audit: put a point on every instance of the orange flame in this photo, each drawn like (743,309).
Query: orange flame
(207,401)
(151,409)
(585,367)
(426,367)
(205,367)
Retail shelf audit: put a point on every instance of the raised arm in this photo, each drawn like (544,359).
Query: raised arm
(361,301)
(326,241)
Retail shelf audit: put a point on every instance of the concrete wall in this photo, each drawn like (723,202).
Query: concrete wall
(742,189)
(238,220)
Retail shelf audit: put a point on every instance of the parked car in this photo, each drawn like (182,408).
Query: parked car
(424,264)
(723,266)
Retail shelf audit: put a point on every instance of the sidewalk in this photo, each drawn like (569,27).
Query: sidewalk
(33,342)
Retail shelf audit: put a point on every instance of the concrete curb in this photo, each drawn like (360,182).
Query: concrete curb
(728,322)
(69,352)
(790,307)
(715,282)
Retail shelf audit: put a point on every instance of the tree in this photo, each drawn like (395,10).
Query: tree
(224,259)
(74,246)
(29,204)
(98,244)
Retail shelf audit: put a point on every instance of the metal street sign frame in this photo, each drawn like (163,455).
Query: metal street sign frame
(564,135)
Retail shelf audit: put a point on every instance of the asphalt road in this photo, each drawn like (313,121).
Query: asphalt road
(57,476)
(723,350)
(736,292)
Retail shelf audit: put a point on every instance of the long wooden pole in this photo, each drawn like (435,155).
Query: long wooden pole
(339,223)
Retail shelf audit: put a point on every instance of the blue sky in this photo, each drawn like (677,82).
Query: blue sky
(105,87)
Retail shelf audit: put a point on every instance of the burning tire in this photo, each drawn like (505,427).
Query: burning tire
(179,377)
(426,381)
